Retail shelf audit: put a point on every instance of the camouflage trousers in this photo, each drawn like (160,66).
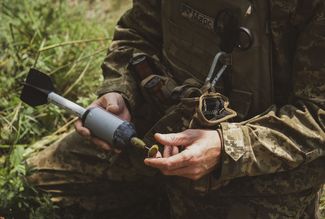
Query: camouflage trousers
(89,183)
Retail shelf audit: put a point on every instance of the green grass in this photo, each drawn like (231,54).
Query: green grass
(66,39)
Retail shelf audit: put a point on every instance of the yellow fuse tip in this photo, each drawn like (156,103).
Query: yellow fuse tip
(137,142)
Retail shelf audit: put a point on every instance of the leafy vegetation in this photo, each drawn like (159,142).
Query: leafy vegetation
(68,40)
(18,198)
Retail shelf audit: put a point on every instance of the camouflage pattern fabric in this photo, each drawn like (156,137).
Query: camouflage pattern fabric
(272,162)
(85,184)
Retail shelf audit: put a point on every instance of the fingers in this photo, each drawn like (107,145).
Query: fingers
(113,108)
(190,172)
(200,157)
(158,155)
(193,172)
(170,163)
(102,144)
(108,102)
(112,102)
(167,151)
(81,129)
(170,151)
(175,150)
(173,139)
(86,133)
(98,103)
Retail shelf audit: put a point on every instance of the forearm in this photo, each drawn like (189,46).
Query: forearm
(279,140)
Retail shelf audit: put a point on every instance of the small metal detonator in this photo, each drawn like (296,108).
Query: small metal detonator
(38,90)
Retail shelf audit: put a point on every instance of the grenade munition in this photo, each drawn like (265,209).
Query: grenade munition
(38,90)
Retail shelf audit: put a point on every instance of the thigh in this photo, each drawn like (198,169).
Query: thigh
(292,194)
(79,175)
(188,206)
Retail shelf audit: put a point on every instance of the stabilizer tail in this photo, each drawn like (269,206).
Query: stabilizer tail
(36,88)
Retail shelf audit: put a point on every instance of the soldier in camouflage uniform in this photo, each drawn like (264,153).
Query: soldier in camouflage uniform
(268,162)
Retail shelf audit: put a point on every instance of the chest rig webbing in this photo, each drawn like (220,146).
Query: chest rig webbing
(191,41)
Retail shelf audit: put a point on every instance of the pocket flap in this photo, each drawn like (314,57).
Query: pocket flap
(241,102)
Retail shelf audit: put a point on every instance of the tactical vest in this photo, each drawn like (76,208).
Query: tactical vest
(190,44)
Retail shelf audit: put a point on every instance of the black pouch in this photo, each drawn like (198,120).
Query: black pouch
(154,80)
(157,89)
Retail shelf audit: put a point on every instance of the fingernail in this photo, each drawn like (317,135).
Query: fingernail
(159,135)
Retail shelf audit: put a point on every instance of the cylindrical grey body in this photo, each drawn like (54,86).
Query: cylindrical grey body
(101,123)
(108,127)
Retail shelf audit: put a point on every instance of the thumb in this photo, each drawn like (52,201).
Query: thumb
(113,108)
(173,139)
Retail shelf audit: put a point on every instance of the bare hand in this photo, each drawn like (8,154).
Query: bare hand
(112,102)
(201,154)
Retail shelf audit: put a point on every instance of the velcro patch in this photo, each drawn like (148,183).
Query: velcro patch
(196,16)
(233,140)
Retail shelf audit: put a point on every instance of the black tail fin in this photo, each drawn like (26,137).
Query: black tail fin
(36,88)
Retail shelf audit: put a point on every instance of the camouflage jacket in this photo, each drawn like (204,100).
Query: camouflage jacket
(278,85)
